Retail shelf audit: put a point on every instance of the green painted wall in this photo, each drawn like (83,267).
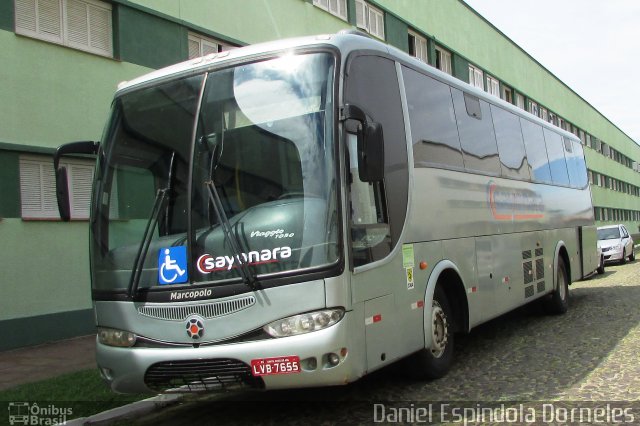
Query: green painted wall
(9,190)
(44,267)
(148,40)
(396,33)
(52,94)
(6,15)
(45,328)
(258,20)
(460,67)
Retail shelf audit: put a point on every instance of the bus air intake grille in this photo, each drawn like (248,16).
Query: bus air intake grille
(528,292)
(541,286)
(539,269)
(201,375)
(527,270)
(526,254)
(205,310)
(539,252)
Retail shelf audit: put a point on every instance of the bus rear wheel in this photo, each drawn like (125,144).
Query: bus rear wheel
(433,362)
(558,303)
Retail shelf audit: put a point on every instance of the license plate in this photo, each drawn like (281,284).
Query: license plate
(277,365)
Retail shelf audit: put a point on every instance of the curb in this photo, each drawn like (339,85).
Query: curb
(134,409)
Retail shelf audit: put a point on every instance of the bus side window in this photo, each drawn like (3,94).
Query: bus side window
(477,137)
(576,165)
(433,122)
(510,144)
(557,162)
(536,151)
(372,84)
(370,233)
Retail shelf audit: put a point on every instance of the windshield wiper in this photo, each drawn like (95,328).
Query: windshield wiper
(158,203)
(247,276)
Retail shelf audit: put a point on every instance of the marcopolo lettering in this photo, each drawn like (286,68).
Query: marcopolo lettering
(208,263)
(179,295)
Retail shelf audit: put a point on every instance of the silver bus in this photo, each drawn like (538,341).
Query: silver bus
(304,212)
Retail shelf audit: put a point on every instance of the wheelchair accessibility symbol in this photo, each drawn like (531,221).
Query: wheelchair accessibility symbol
(172,265)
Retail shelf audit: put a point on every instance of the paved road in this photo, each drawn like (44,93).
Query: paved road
(588,354)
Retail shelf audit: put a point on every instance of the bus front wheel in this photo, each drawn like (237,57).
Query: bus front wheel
(434,361)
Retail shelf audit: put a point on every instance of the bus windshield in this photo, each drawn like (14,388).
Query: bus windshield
(256,136)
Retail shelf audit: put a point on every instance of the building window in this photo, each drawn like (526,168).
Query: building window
(38,192)
(443,60)
(507,94)
(370,19)
(534,108)
(476,77)
(519,101)
(544,114)
(200,46)
(81,24)
(493,86)
(418,46)
(334,7)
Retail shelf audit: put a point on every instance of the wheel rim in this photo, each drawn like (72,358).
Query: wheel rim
(562,285)
(439,330)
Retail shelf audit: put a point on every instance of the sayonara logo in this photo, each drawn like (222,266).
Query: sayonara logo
(208,263)
(514,204)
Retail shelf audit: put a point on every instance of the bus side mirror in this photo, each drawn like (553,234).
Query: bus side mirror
(62,180)
(370,145)
(371,153)
(62,193)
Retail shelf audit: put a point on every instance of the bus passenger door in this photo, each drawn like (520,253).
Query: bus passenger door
(376,213)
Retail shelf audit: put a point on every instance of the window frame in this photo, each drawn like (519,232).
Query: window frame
(202,42)
(80,188)
(476,77)
(443,60)
(367,11)
(493,86)
(340,4)
(420,47)
(63,22)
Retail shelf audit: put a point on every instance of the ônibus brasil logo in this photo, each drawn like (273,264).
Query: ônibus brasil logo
(208,263)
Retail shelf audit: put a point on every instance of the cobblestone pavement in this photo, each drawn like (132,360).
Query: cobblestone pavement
(588,354)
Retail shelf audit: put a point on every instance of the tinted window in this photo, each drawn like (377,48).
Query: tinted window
(576,165)
(557,163)
(477,137)
(510,144)
(536,151)
(373,85)
(433,123)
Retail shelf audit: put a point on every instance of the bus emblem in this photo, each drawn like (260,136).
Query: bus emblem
(195,327)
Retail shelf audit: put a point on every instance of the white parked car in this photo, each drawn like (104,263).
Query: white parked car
(616,243)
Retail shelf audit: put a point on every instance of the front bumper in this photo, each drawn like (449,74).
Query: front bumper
(613,255)
(125,368)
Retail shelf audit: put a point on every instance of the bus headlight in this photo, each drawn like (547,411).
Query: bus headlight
(304,323)
(113,337)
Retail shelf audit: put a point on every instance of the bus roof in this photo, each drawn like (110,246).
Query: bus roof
(345,41)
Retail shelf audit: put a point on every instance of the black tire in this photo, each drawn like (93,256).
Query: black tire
(558,303)
(435,363)
(601,266)
(632,256)
(624,257)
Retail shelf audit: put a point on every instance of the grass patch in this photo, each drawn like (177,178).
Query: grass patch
(83,392)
